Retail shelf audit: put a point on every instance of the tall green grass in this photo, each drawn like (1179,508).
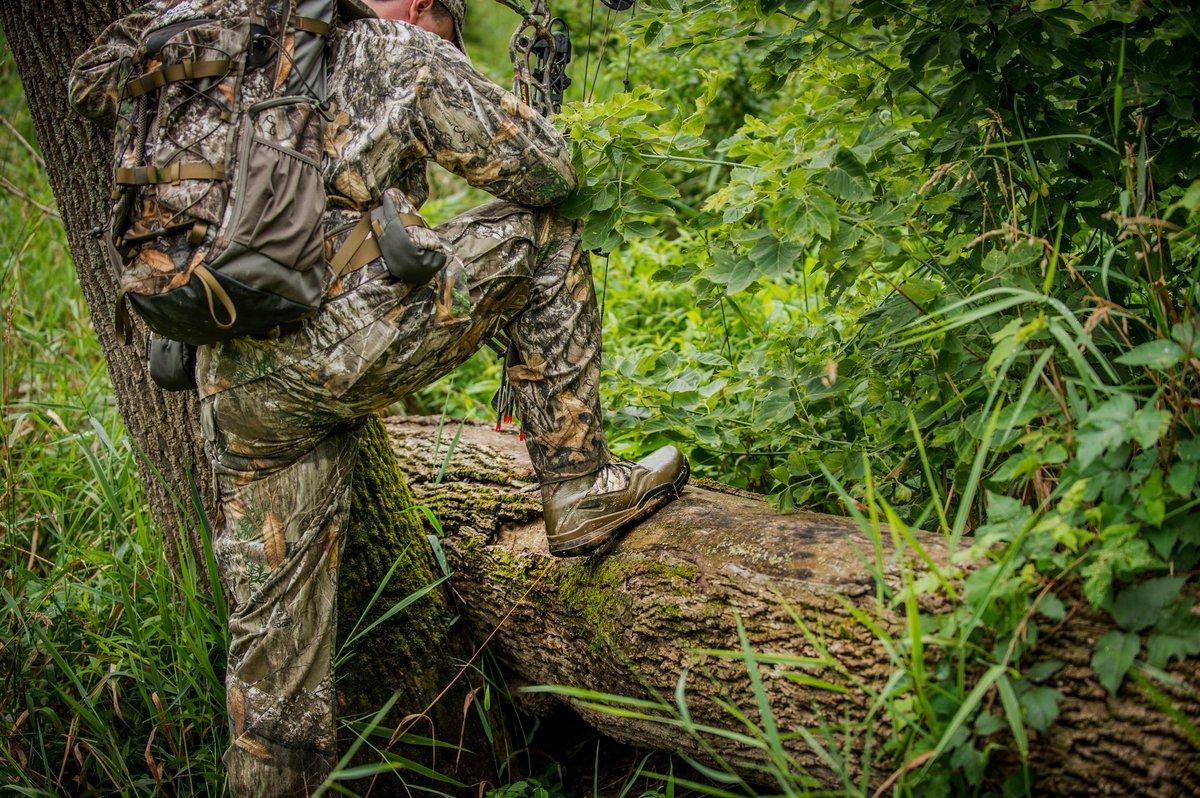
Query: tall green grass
(110,666)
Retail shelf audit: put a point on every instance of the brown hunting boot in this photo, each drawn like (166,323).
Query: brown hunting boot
(586,514)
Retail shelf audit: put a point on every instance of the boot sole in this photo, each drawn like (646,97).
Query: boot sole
(613,524)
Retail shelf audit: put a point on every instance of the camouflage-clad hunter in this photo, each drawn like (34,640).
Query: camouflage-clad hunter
(280,413)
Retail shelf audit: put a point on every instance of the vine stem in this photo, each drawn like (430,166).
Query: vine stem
(715,162)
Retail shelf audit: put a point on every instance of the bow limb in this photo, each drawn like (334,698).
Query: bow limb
(530,85)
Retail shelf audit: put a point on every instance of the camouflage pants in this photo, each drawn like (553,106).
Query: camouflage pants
(280,416)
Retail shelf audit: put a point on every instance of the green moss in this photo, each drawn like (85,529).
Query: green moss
(417,651)
(670,610)
(592,590)
(589,591)
(682,577)
(407,651)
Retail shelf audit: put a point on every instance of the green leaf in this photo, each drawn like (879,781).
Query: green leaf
(1121,554)
(1041,706)
(604,199)
(1182,479)
(1158,355)
(822,159)
(1006,51)
(1104,429)
(732,271)
(638,229)
(1099,189)
(995,261)
(577,204)
(1153,507)
(1001,508)
(987,724)
(899,79)
(774,257)
(1148,424)
(1051,606)
(968,760)
(1012,710)
(940,203)
(777,408)
(1187,335)
(1176,636)
(1114,655)
(843,185)
(1138,607)
(638,203)
(599,231)
(1042,670)
(654,184)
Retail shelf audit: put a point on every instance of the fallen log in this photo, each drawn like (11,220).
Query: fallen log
(668,599)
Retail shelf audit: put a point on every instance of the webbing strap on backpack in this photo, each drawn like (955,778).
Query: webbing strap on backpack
(213,288)
(362,245)
(310,25)
(173,73)
(171,173)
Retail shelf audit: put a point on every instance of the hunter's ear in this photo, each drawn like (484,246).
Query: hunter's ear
(420,8)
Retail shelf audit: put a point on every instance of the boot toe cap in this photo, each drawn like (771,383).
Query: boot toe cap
(666,461)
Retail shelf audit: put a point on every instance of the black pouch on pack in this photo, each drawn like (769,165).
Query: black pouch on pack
(172,364)
(405,260)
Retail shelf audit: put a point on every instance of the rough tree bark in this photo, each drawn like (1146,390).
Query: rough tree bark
(45,38)
(631,622)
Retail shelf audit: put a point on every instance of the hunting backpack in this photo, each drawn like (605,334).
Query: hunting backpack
(215,229)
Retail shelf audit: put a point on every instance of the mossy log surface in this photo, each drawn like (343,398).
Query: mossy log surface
(416,652)
(670,594)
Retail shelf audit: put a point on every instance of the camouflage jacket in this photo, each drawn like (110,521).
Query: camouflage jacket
(404,96)
(400,97)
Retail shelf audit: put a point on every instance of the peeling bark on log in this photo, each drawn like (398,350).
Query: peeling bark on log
(629,623)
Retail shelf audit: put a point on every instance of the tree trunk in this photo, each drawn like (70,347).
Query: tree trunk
(45,38)
(673,591)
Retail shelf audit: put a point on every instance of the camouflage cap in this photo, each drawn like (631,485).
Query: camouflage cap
(458,12)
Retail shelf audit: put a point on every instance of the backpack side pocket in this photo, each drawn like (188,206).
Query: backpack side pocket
(275,236)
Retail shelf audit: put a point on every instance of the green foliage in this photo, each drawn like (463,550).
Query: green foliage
(110,669)
(936,264)
(545,787)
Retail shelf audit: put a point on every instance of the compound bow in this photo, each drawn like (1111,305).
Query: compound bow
(540,50)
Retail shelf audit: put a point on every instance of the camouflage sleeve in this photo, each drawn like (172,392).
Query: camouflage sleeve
(94,84)
(483,133)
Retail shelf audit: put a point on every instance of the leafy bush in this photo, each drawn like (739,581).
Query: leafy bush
(943,272)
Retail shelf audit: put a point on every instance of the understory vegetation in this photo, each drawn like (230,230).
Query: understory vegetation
(933,265)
